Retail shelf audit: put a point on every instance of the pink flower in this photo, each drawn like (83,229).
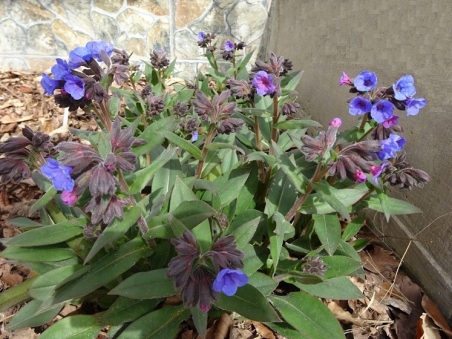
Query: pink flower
(263,82)
(336,122)
(360,176)
(345,80)
(377,170)
(69,198)
(394,120)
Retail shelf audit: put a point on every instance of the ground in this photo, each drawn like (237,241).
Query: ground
(392,307)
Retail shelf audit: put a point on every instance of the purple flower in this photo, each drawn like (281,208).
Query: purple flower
(201,36)
(382,111)
(79,56)
(345,80)
(359,106)
(360,176)
(414,105)
(95,47)
(49,84)
(228,46)
(377,170)
(394,120)
(69,198)
(61,69)
(365,81)
(228,280)
(194,136)
(59,174)
(390,146)
(263,83)
(74,86)
(404,88)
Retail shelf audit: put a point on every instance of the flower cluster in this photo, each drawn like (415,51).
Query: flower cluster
(201,276)
(381,102)
(95,172)
(315,147)
(229,48)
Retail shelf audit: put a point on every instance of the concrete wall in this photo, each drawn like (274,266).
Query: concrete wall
(34,32)
(391,38)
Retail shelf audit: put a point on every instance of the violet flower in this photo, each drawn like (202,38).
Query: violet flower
(365,81)
(345,80)
(69,198)
(264,84)
(414,105)
(390,146)
(59,174)
(228,46)
(74,86)
(360,176)
(359,106)
(392,121)
(377,170)
(227,281)
(382,111)
(404,88)
(50,85)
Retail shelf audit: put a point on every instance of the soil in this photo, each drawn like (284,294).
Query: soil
(392,305)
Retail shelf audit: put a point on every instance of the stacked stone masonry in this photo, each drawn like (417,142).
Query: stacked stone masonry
(35,32)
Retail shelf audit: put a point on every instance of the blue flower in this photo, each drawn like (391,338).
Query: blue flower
(74,86)
(404,88)
(382,111)
(377,170)
(49,84)
(95,47)
(61,69)
(201,36)
(59,174)
(194,136)
(229,46)
(390,146)
(263,83)
(414,105)
(365,81)
(359,106)
(79,56)
(228,280)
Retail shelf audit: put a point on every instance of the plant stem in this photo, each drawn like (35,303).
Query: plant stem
(106,115)
(296,206)
(209,138)
(274,121)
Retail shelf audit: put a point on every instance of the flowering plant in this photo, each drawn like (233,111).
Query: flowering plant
(200,197)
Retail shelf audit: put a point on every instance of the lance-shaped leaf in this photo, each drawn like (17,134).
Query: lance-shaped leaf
(126,310)
(29,317)
(328,229)
(184,144)
(327,194)
(151,135)
(74,327)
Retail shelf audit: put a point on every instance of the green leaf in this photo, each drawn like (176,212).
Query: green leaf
(28,317)
(250,303)
(286,330)
(200,320)
(290,81)
(353,227)
(393,206)
(164,179)
(277,231)
(146,285)
(340,266)
(151,135)
(221,145)
(48,235)
(163,323)
(184,144)
(328,229)
(290,169)
(44,200)
(336,288)
(45,284)
(304,278)
(114,231)
(324,190)
(230,184)
(254,259)
(181,193)
(315,204)
(125,310)
(281,194)
(73,327)
(42,253)
(308,315)
(296,124)
(114,105)
(15,295)
(262,282)
(143,177)
(103,271)
(23,222)
(245,232)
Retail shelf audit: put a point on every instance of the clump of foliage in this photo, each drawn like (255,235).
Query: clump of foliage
(201,197)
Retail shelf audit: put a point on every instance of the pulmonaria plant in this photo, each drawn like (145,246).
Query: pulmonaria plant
(203,196)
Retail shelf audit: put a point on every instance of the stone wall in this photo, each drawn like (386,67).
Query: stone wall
(34,32)
(392,38)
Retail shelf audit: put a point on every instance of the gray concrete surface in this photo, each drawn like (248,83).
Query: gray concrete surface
(391,38)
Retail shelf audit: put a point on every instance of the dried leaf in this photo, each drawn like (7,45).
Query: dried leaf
(436,315)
